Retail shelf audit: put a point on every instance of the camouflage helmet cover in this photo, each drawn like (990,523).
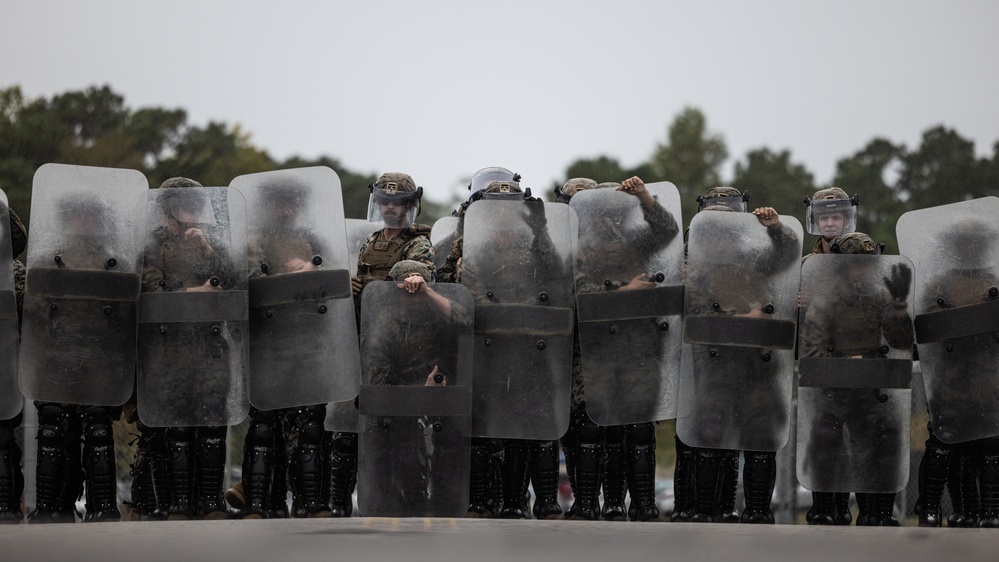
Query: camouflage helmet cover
(723,199)
(574,186)
(407,268)
(830,193)
(503,187)
(392,182)
(854,243)
(180,182)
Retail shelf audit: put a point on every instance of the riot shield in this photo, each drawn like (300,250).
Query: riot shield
(516,263)
(415,435)
(741,286)
(357,231)
(855,368)
(629,302)
(303,334)
(442,236)
(193,310)
(11,400)
(82,286)
(955,252)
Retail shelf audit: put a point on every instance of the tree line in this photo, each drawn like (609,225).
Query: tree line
(95,127)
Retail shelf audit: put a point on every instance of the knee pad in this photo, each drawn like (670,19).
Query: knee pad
(641,434)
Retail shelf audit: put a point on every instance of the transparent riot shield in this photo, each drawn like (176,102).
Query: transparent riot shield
(955,252)
(517,265)
(416,400)
(82,286)
(442,236)
(303,333)
(741,287)
(855,368)
(629,302)
(193,311)
(11,400)
(342,415)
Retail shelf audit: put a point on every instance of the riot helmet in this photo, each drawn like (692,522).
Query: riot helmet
(831,212)
(407,268)
(565,192)
(485,176)
(723,199)
(395,200)
(855,243)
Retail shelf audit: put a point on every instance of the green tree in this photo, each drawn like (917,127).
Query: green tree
(866,173)
(943,170)
(691,158)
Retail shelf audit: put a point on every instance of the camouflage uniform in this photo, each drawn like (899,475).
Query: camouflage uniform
(852,325)
(716,471)
(374,262)
(173,262)
(11,477)
(628,450)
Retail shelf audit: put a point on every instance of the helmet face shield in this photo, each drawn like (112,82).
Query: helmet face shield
(397,209)
(736,203)
(831,217)
(486,176)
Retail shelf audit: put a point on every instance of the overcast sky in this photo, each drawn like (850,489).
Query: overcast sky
(440,89)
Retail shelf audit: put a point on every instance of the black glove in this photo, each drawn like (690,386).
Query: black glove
(898,283)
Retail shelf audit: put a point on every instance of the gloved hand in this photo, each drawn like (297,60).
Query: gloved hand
(898,282)
(355,285)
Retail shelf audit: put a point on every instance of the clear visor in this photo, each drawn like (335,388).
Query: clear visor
(397,209)
(829,218)
(484,177)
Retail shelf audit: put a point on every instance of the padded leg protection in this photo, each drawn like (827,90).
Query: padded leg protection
(180,471)
(970,494)
(615,473)
(344,474)
(515,466)
(728,488)
(50,469)
(258,464)
(989,488)
(307,465)
(707,472)
(933,470)
(589,467)
(683,482)
(100,469)
(11,478)
(478,481)
(544,480)
(570,448)
(641,447)
(210,444)
(160,473)
(758,484)
(143,497)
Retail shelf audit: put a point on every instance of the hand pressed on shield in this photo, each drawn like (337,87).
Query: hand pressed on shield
(356,285)
(635,186)
(413,283)
(431,380)
(767,216)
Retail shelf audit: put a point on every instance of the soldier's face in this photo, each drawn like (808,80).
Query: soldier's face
(392,211)
(831,225)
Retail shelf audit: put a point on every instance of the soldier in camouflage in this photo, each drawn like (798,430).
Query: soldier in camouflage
(395,199)
(880,313)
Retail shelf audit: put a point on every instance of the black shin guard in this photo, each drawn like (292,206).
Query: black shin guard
(641,447)
(307,465)
(758,484)
(180,472)
(933,470)
(210,445)
(683,482)
(614,479)
(258,464)
(11,478)
(544,480)
(515,468)
(101,474)
(344,474)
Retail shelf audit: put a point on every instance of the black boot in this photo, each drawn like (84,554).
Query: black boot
(615,473)
(143,496)
(11,477)
(641,449)
(970,494)
(758,485)
(51,466)
(258,466)
(932,479)
(841,504)
(478,481)
(885,510)
(211,445)
(544,480)
(100,470)
(989,489)
(589,465)
(570,450)
(516,460)
(180,471)
(279,477)
(707,472)
(344,474)
(823,509)
(683,482)
(728,488)
(866,510)
(325,481)
(307,465)
(954,472)
(160,474)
